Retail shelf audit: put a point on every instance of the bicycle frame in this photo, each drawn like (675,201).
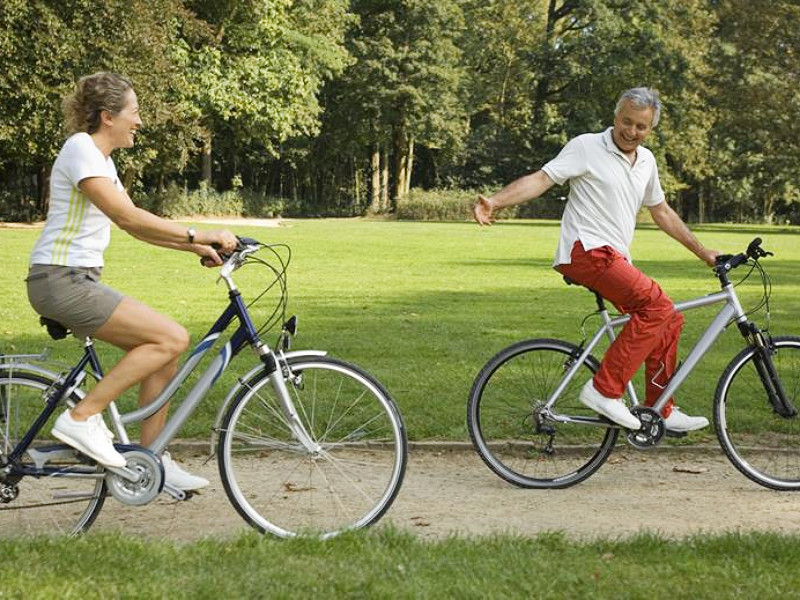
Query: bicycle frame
(730,311)
(244,334)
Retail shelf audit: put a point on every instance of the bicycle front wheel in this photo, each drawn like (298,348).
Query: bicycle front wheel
(61,496)
(508,430)
(763,445)
(282,487)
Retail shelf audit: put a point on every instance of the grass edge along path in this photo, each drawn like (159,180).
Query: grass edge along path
(391,564)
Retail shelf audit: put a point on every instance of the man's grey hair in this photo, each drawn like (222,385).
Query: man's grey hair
(641,98)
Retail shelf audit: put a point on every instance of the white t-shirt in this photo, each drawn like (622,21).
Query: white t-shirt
(605,193)
(76,232)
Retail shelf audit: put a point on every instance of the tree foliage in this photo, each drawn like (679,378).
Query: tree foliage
(339,106)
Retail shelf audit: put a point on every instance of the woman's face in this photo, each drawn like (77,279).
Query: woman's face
(125,123)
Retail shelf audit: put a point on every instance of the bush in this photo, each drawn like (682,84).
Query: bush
(441,205)
(261,206)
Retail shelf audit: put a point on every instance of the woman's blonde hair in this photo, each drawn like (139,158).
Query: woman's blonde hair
(92,95)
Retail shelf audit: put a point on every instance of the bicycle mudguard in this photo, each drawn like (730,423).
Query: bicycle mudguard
(223,408)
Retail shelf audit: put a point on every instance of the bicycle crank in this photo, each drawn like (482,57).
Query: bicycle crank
(151,478)
(652,430)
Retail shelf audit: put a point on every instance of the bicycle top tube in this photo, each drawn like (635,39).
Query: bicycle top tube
(245,333)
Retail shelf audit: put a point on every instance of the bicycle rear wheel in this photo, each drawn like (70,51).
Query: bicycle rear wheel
(763,445)
(280,487)
(64,500)
(510,434)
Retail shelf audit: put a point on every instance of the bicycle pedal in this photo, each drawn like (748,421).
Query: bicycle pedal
(176,493)
(675,434)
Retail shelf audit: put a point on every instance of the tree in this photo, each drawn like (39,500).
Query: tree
(758,99)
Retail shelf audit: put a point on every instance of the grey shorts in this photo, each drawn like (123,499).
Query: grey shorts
(73,296)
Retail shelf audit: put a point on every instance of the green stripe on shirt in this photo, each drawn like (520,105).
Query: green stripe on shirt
(75,214)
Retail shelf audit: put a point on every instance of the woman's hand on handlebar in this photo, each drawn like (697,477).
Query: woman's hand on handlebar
(221,239)
(209,257)
(208,243)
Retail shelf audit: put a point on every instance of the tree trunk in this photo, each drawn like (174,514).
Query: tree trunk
(43,183)
(401,161)
(701,206)
(375,180)
(207,161)
(769,209)
(356,186)
(385,178)
(409,164)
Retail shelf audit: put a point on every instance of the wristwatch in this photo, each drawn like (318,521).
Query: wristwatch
(190,233)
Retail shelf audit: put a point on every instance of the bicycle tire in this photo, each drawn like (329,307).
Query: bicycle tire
(502,421)
(59,503)
(762,445)
(278,486)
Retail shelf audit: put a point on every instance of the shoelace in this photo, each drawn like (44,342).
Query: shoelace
(100,424)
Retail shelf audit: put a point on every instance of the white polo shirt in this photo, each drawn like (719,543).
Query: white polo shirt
(605,193)
(76,232)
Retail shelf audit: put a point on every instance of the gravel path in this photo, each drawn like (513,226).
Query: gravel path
(674,492)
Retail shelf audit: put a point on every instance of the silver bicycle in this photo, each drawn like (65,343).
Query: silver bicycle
(528,425)
(305,444)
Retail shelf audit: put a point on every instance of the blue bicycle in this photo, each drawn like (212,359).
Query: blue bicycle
(305,444)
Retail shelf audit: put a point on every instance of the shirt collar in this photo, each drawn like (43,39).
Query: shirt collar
(608,140)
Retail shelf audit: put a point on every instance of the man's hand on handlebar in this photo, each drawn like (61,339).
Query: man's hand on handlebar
(708,256)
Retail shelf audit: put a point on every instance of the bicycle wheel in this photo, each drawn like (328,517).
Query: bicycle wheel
(64,501)
(763,445)
(508,431)
(278,485)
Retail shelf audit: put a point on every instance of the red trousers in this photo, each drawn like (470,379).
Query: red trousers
(650,337)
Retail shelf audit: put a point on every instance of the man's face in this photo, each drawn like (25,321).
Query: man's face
(632,126)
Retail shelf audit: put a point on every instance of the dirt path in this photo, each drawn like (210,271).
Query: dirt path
(672,492)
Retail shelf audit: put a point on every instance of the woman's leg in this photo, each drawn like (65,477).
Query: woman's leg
(153,344)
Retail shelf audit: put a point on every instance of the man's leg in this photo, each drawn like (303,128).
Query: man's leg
(631,291)
(661,364)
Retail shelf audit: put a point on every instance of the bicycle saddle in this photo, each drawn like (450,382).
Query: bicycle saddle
(55,329)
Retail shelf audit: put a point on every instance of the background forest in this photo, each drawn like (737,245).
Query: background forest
(337,107)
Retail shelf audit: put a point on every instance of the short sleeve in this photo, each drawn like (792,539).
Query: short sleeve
(82,159)
(653,193)
(570,162)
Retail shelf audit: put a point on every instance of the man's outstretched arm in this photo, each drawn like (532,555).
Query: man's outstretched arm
(670,222)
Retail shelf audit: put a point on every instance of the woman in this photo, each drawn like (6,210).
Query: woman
(102,115)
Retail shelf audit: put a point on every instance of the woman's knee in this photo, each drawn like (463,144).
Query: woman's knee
(175,339)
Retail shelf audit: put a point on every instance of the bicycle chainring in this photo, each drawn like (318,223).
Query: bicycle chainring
(652,430)
(150,483)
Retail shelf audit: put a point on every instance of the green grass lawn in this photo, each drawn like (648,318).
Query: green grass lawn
(386,564)
(421,305)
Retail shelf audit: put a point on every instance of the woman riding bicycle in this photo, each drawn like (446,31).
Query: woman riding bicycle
(102,114)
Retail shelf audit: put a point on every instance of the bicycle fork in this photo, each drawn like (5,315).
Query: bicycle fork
(278,378)
(765,367)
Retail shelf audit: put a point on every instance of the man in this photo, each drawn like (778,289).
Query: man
(611,176)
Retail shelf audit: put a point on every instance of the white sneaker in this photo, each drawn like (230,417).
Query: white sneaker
(90,437)
(102,424)
(611,408)
(175,476)
(680,422)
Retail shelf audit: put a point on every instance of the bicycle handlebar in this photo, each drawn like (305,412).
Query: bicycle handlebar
(244,244)
(728,262)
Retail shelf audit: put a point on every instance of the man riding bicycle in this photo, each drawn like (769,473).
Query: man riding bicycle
(611,177)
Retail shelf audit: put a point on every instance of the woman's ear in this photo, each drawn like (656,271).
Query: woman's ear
(106,118)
